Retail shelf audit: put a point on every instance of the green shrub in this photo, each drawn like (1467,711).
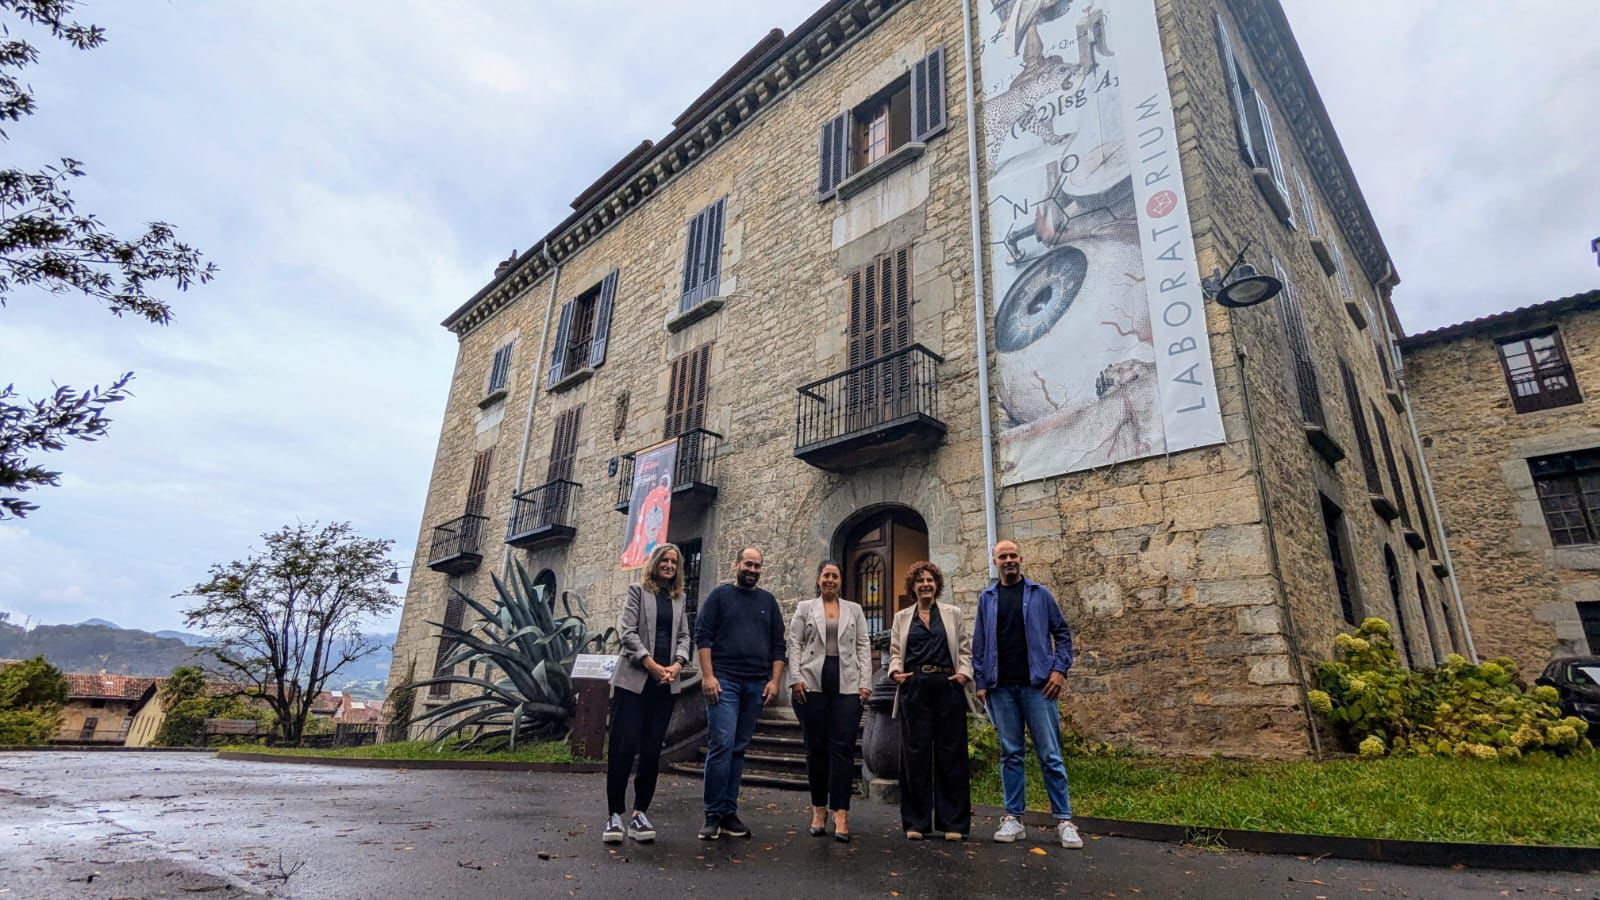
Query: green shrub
(983,742)
(31,695)
(1377,706)
(29,725)
(185,723)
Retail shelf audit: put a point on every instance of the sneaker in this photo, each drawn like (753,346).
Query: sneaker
(732,827)
(1011,829)
(1068,833)
(613,833)
(640,829)
(712,829)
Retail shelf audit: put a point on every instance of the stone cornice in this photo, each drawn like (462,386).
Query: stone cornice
(1277,57)
(817,42)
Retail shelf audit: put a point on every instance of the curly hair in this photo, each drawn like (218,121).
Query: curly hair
(918,568)
(651,579)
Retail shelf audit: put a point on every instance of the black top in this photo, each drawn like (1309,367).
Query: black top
(926,645)
(663,651)
(744,631)
(1011,642)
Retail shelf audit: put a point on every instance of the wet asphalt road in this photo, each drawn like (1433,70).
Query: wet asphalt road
(115,825)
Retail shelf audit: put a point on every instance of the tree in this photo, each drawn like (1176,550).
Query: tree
(31,695)
(288,618)
(185,683)
(48,244)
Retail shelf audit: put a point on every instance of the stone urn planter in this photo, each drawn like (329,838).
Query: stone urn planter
(880,742)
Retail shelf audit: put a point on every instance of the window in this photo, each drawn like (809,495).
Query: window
(564,445)
(1422,507)
(478,484)
(686,394)
(1402,641)
(1305,371)
(1253,127)
(500,370)
(1308,207)
(97,704)
(702,257)
(1537,372)
(454,611)
(1427,618)
(1568,485)
(691,551)
(1339,555)
(1342,274)
(1358,418)
(912,108)
(89,725)
(1589,614)
(584,332)
(1399,496)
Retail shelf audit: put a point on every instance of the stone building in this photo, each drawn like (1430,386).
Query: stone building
(786,287)
(1513,442)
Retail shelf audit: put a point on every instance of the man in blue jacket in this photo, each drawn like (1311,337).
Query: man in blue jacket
(1021,651)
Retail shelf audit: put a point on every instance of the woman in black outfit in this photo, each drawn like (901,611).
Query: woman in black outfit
(655,647)
(830,671)
(930,657)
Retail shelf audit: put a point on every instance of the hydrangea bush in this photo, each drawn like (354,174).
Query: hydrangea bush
(1379,707)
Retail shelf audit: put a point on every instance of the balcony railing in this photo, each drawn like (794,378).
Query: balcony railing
(694,475)
(543,515)
(872,412)
(456,547)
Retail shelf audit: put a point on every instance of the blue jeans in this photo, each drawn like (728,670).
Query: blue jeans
(730,722)
(1010,708)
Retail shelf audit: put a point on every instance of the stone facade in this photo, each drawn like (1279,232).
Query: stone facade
(1199,584)
(1521,590)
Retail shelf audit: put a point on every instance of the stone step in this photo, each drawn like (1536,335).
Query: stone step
(761,779)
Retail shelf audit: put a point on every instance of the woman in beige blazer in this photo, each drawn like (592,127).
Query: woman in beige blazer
(930,657)
(654,629)
(830,665)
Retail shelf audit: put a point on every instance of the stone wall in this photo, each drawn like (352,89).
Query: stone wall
(1519,589)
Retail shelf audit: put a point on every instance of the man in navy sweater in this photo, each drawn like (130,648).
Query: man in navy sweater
(739,631)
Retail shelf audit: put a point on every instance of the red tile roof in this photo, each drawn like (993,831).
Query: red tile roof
(1511,319)
(106,687)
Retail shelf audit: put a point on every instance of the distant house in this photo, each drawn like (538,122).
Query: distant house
(146,716)
(99,708)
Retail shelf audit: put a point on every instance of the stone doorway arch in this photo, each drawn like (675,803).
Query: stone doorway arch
(876,546)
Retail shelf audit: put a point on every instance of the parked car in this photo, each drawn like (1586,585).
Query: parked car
(1578,680)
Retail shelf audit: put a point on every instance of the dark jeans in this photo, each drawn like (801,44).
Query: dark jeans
(638,728)
(935,777)
(730,722)
(831,722)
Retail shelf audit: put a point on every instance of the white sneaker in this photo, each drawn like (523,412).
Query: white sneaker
(640,829)
(1010,829)
(1068,833)
(613,833)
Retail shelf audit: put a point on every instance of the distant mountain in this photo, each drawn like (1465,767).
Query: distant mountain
(100,622)
(193,640)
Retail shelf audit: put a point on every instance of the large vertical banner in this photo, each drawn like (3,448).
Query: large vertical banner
(649,503)
(1103,355)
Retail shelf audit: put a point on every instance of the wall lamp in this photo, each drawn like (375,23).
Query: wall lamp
(1241,285)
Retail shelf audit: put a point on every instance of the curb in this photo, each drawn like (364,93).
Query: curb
(1443,854)
(481,765)
(95,748)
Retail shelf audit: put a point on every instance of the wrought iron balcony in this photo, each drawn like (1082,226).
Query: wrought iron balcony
(694,475)
(456,549)
(543,515)
(874,412)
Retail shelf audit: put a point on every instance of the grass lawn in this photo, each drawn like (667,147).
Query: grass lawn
(1531,801)
(543,752)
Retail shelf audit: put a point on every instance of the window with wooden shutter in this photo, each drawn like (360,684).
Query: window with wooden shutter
(500,370)
(1358,418)
(879,327)
(1308,207)
(454,613)
(1568,485)
(702,258)
(1269,139)
(1305,370)
(686,394)
(1537,372)
(602,320)
(1422,507)
(1383,363)
(558,355)
(834,155)
(1342,274)
(564,445)
(1339,556)
(1230,68)
(1402,642)
(478,484)
(1258,141)
(928,101)
(1398,496)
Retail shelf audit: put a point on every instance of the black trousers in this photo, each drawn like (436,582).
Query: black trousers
(935,777)
(830,721)
(638,728)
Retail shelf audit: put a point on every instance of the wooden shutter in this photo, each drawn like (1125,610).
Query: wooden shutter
(1394,468)
(702,259)
(1342,274)
(478,485)
(454,613)
(564,445)
(602,320)
(1358,417)
(500,372)
(928,102)
(1273,160)
(558,355)
(686,393)
(1305,370)
(1422,506)
(1307,207)
(1230,66)
(834,156)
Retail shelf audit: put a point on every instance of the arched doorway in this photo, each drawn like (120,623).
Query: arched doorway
(1402,639)
(877,546)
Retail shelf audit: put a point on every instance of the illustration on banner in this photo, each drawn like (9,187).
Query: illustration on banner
(649,503)
(1089,234)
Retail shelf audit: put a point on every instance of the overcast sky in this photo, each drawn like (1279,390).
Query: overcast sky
(357,168)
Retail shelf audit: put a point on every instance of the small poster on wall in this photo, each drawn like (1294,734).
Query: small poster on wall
(649,503)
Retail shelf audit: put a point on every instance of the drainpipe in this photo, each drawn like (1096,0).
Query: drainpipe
(533,391)
(979,304)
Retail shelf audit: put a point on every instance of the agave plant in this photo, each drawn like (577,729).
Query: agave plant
(519,654)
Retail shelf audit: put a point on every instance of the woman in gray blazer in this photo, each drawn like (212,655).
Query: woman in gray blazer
(830,661)
(655,647)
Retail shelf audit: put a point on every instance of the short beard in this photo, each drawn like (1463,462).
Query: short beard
(746,579)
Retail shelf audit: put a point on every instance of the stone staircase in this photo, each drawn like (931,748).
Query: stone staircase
(776,756)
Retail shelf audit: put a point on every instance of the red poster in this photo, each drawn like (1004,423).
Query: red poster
(649,503)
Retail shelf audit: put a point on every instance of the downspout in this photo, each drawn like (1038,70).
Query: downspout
(979,304)
(533,391)
(1438,518)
